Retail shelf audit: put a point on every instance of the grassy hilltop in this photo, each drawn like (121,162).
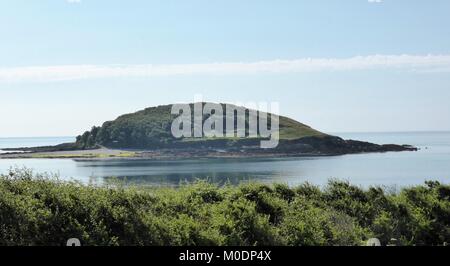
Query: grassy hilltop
(148,134)
(151,128)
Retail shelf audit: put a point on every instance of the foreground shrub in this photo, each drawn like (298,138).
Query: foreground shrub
(40,210)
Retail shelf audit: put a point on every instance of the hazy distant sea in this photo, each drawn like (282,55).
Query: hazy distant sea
(32,142)
(432,162)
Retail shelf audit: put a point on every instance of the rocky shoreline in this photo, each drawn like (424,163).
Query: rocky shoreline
(309,146)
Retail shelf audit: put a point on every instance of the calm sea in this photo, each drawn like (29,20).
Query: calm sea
(432,162)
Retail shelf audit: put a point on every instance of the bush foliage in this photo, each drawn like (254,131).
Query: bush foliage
(40,210)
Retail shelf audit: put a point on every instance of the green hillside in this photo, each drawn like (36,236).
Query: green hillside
(151,128)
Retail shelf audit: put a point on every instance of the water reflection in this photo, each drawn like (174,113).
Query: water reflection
(388,169)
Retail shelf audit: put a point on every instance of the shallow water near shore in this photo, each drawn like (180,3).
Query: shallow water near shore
(431,162)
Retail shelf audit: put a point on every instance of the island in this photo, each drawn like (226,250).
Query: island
(148,134)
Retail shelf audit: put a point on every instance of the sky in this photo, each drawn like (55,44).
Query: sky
(338,66)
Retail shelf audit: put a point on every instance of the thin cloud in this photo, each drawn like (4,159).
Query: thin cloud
(427,63)
(73,1)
